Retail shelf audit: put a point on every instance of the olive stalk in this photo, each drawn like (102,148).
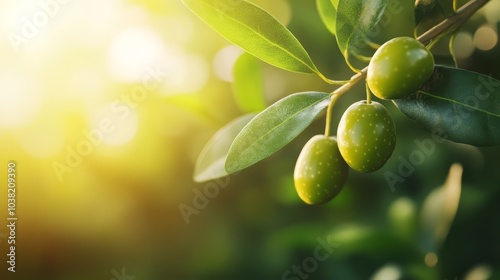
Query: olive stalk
(337,93)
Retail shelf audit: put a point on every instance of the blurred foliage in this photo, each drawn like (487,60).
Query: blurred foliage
(119,205)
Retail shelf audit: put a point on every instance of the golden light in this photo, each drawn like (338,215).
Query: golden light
(20,99)
(185,73)
(479,272)
(463,45)
(388,272)
(43,140)
(87,85)
(485,38)
(132,51)
(431,259)
(224,61)
(115,125)
(105,106)
(491,12)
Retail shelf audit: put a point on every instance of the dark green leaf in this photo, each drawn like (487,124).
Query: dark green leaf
(458,105)
(275,127)
(356,19)
(428,13)
(254,30)
(328,12)
(445,60)
(423,8)
(248,84)
(211,161)
(446,7)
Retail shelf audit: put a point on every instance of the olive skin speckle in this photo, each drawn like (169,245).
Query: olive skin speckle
(399,68)
(364,148)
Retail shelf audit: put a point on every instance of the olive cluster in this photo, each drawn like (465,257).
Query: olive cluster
(366,134)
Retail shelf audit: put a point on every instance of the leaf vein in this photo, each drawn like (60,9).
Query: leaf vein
(284,121)
(459,103)
(265,38)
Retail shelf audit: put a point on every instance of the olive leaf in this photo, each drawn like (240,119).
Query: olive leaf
(275,127)
(211,161)
(354,21)
(459,105)
(424,8)
(248,84)
(256,31)
(328,13)
(440,208)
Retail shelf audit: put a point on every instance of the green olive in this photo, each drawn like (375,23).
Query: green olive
(399,68)
(366,136)
(320,172)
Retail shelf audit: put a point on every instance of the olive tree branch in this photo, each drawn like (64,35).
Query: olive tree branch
(453,22)
(447,25)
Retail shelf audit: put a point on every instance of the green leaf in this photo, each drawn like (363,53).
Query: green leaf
(248,84)
(328,12)
(458,105)
(256,31)
(431,12)
(423,8)
(275,127)
(440,208)
(444,60)
(356,19)
(451,43)
(211,161)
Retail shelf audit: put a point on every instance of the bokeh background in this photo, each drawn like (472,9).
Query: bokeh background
(105,106)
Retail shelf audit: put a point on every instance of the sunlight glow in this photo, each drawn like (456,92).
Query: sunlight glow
(116,129)
(463,45)
(43,141)
(431,259)
(387,272)
(491,12)
(187,73)
(224,61)
(485,38)
(132,51)
(87,85)
(479,272)
(20,100)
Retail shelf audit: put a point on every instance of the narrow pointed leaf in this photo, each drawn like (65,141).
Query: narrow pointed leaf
(355,21)
(328,12)
(440,208)
(210,163)
(248,84)
(459,105)
(254,30)
(275,127)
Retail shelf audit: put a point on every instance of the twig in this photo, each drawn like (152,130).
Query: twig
(453,22)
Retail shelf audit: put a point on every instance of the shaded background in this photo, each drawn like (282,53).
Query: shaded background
(105,106)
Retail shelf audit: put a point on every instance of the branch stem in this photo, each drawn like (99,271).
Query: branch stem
(453,22)
(447,25)
(337,93)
